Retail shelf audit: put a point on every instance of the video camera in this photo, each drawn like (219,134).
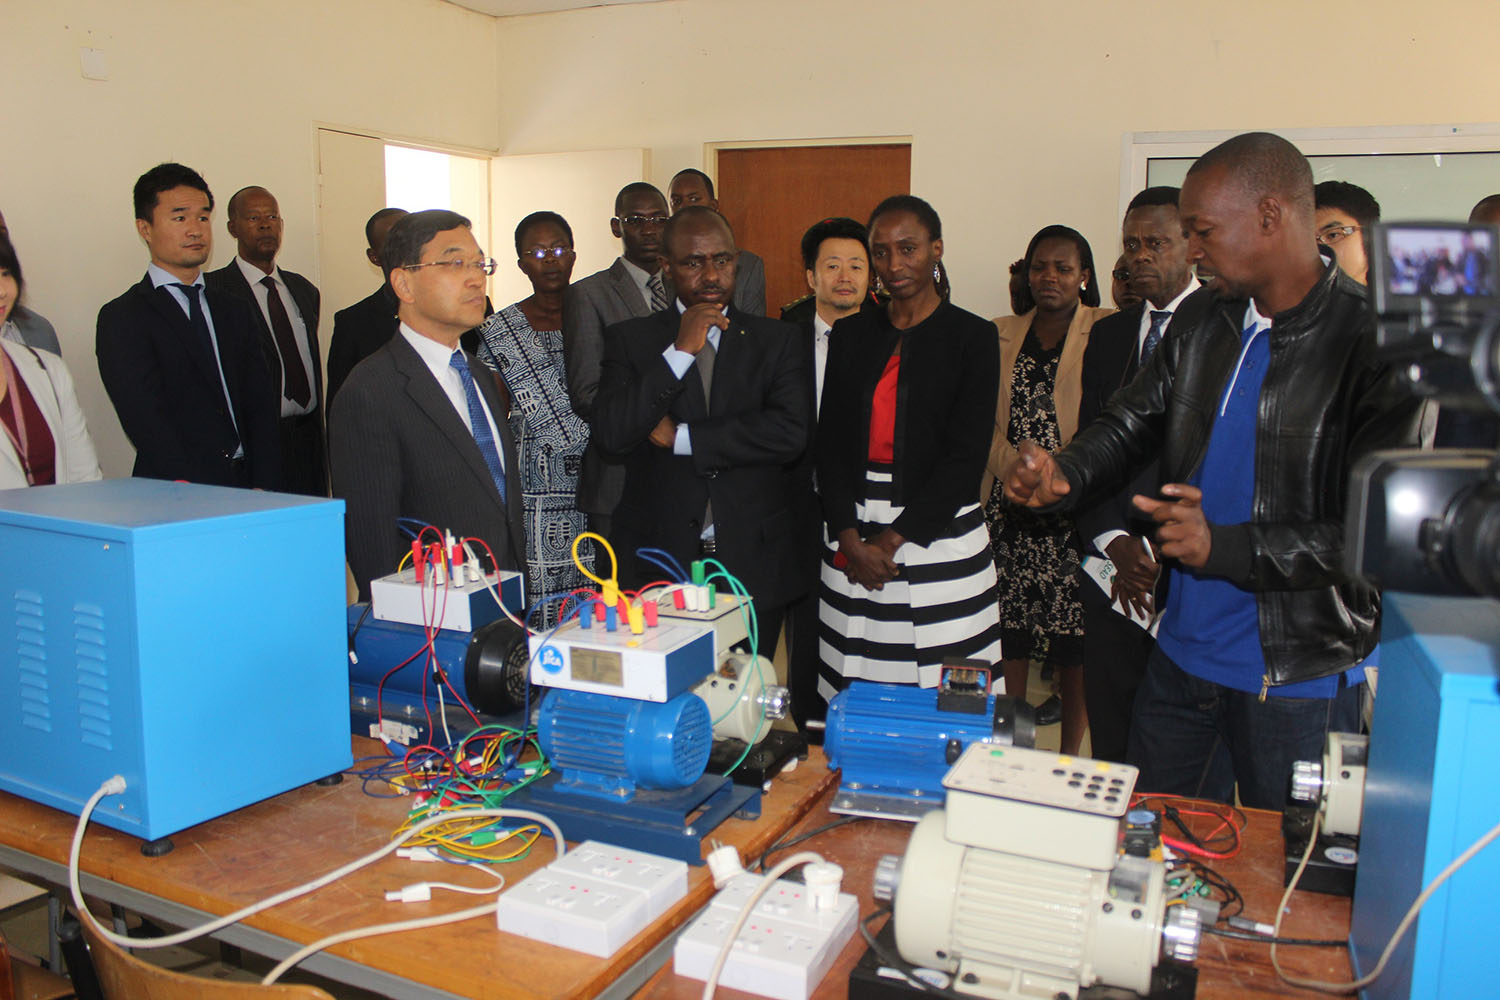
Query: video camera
(1429,521)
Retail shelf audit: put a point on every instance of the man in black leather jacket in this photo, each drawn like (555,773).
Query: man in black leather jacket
(1264,392)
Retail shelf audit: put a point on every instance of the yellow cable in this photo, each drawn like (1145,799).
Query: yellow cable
(614,565)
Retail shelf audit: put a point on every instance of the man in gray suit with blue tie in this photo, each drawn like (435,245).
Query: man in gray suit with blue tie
(636,284)
(416,435)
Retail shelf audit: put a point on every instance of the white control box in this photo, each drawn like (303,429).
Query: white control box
(593,899)
(399,598)
(657,664)
(725,617)
(785,948)
(1042,805)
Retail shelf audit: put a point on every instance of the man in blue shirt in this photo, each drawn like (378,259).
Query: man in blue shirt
(1263,393)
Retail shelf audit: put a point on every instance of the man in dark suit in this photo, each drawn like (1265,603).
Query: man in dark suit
(1114,649)
(710,410)
(363,328)
(419,431)
(692,187)
(182,363)
(634,285)
(837,260)
(285,306)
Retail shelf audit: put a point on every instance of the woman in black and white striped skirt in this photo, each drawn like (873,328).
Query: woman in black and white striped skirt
(909,394)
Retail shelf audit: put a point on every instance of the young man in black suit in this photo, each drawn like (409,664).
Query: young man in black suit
(693,187)
(363,328)
(709,409)
(182,363)
(420,429)
(1114,649)
(837,262)
(286,314)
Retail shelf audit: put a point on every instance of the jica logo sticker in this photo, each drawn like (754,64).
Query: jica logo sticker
(552,659)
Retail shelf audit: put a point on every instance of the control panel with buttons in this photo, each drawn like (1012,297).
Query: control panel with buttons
(1044,805)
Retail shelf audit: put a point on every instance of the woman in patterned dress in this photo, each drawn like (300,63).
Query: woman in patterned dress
(523,344)
(1037,556)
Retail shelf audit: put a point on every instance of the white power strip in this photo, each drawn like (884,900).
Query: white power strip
(593,899)
(785,948)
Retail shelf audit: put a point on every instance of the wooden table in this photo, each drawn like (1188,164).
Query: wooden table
(237,859)
(1227,969)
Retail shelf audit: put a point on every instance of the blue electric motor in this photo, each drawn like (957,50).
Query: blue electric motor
(487,667)
(894,744)
(609,747)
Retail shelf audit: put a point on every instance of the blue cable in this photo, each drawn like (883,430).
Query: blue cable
(671,565)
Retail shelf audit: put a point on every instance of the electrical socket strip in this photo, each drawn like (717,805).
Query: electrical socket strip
(785,948)
(593,899)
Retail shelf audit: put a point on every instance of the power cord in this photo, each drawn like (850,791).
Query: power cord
(116,785)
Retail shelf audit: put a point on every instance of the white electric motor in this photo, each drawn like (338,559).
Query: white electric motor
(1016,887)
(1337,785)
(740,701)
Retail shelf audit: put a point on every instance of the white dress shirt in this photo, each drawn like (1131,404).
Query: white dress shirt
(438,360)
(680,362)
(820,360)
(1193,285)
(254,275)
(640,277)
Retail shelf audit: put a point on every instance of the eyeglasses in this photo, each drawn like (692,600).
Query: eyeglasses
(1334,234)
(542,253)
(1120,274)
(640,221)
(485,265)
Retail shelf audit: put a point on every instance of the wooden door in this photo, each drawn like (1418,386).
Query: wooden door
(771,195)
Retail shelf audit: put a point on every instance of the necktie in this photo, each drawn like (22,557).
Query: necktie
(704,362)
(480,424)
(1159,319)
(293,374)
(199,323)
(658,292)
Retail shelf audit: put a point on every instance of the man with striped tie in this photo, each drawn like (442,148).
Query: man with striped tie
(636,284)
(416,435)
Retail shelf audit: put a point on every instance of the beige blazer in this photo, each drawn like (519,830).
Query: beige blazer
(1066,392)
(52,388)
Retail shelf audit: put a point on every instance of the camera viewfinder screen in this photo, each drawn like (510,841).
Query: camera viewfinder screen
(1449,261)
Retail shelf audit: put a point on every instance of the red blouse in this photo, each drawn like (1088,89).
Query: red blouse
(883,412)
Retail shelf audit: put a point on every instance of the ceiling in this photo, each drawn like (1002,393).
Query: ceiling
(509,8)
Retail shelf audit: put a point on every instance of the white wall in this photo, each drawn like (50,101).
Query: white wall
(1016,110)
(233,89)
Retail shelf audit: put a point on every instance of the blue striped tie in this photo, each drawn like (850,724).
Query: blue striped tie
(480,425)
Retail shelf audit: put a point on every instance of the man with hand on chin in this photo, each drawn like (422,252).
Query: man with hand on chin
(708,408)
(417,434)
(1263,393)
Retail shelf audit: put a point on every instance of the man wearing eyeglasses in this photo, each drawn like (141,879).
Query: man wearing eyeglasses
(1117,644)
(634,285)
(420,429)
(1346,215)
(709,408)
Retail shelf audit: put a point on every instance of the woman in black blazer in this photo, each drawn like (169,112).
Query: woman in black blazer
(908,401)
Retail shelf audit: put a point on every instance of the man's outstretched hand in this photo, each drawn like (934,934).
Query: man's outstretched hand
(1184,533)
(1035,480)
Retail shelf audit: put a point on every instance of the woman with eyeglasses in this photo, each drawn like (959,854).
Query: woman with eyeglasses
(1037,556)
(523,344)
(45,439)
